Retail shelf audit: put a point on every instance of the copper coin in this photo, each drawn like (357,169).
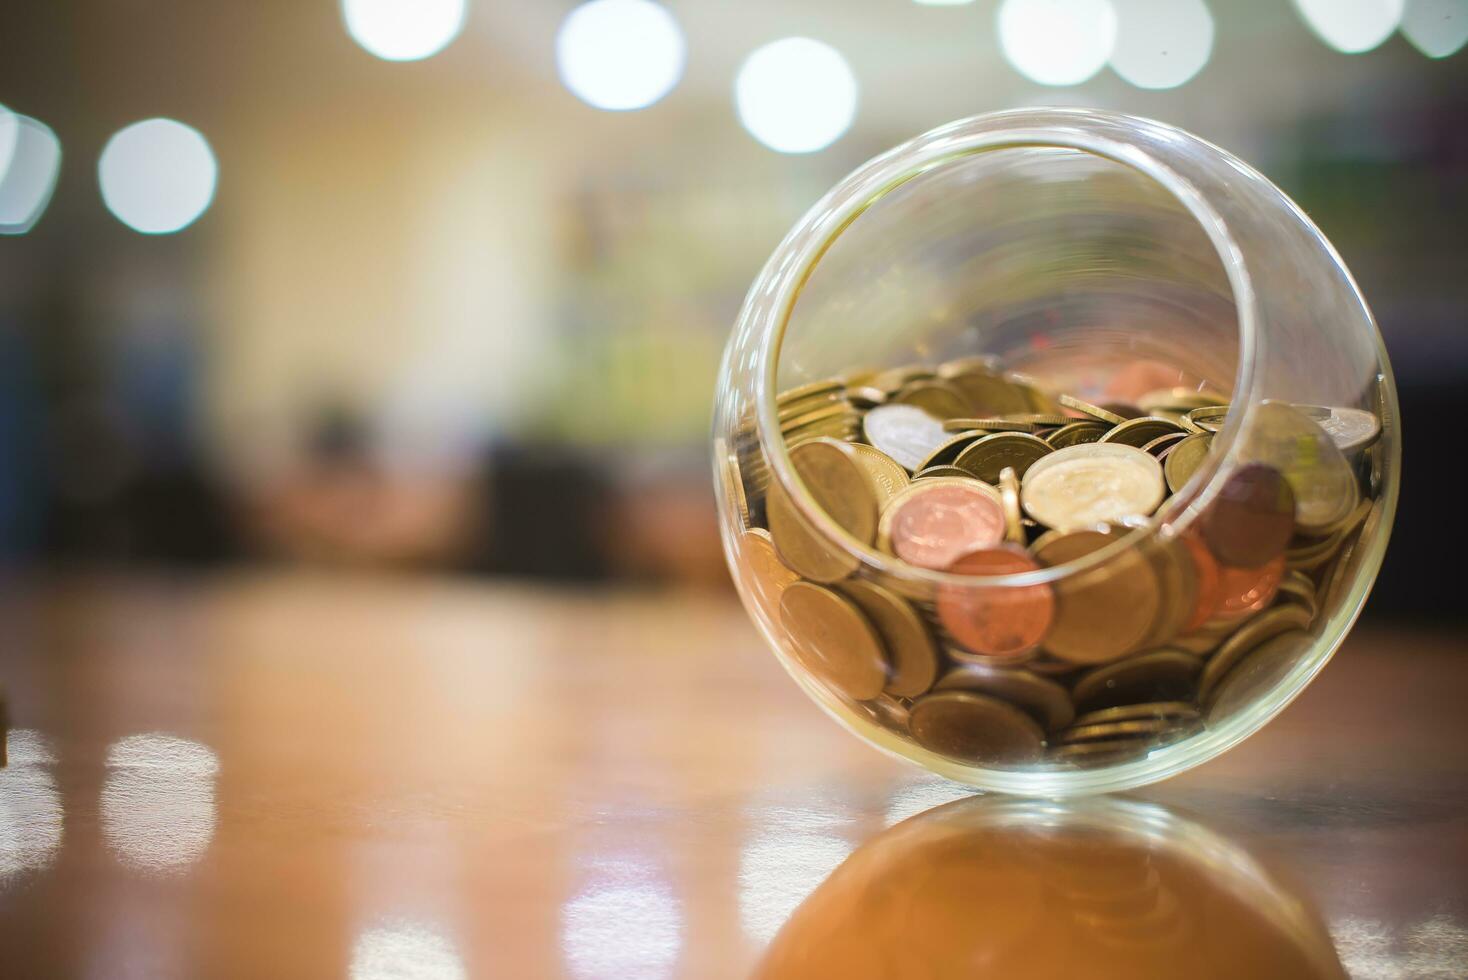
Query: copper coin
(1046,701)
(833,640)
(1210,582)
(996,620)
(910,648)
(1245,591)
(1253,518)
(936,521)
(975,728)
(1165,675)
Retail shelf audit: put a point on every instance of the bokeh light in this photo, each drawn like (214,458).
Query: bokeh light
(620,54)
(1161,43)
(1437,28)
(157,176)
(403,30)
(1057,42)
(30,160)
(796,95)
(405,951)
(1352,26)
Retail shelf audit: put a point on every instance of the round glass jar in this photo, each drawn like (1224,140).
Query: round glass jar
(1022,256)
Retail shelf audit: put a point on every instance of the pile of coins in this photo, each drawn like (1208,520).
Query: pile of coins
(1149,634)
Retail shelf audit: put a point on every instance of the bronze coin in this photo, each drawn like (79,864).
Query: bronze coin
(1046,701)
(936,521)
(975,728)
(1245,591)
(833,640)
(1324,484)
(1253,517)
(1094,411)
(1164,675)
(996,620)
(1177,583)
(911,652)
(1287,618)
(1144,728)
(1179,710)
(1100,753)
(1256,673)
(1104,612)
(990,395)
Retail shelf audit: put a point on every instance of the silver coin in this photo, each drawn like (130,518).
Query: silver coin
(904,432)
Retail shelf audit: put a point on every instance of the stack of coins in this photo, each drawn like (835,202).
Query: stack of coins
(1148,634)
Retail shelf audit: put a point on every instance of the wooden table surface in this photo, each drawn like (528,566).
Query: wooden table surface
(292,775)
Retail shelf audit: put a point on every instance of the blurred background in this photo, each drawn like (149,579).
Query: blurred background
(441,286)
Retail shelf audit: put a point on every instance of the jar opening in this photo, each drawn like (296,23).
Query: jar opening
(1061,199)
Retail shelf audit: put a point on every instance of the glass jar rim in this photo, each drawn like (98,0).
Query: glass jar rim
(773,297)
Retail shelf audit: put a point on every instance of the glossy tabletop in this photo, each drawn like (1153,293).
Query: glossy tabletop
(291,775)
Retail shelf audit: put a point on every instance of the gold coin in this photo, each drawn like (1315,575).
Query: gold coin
(1259,671)
(1090,484)
(1076,433)
(1185,459)
(1178,400)
(1139,432)
(911,652)
(892,379)
(810,390)
(806,412)
(950,472)
(1286,618)
(833,640)
(1162,446)
(888,478)
(1163,675)
(1326,491)
(1044,420)
(1103,612)
(1177,583)
(975,728)
(988,425)
(1043,699)
(767,573)
(1086,408)
(1299,588)
(947,451)
(1209,419)
(905,432)
(731,481)
(989,394)
(991,454)
(1014,530)
(982,363)
(940,399)
(833,477)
